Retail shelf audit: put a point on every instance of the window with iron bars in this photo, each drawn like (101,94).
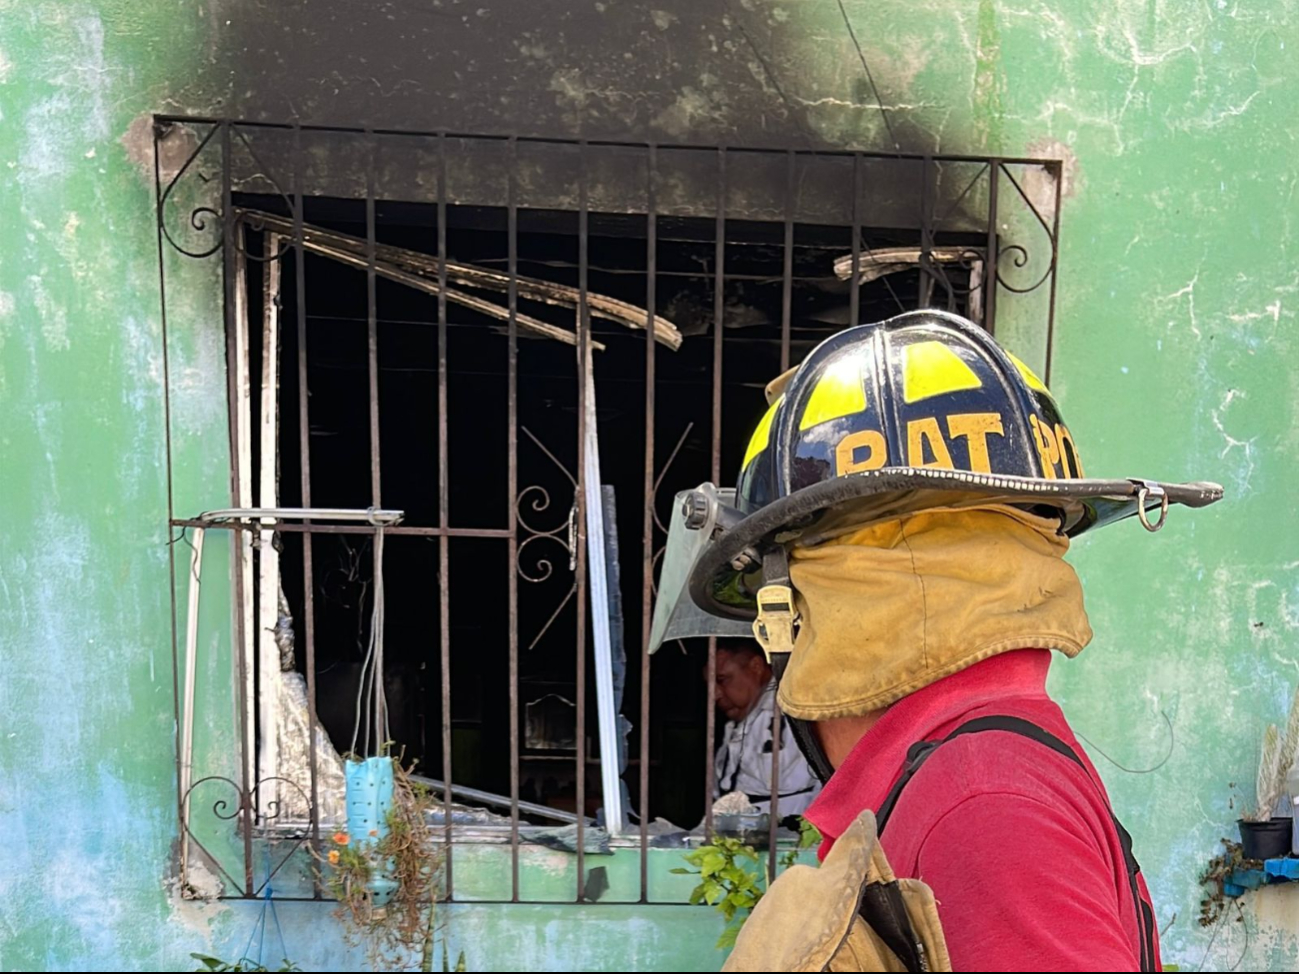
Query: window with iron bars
(465,377)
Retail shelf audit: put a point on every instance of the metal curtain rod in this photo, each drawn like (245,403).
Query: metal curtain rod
(369,515)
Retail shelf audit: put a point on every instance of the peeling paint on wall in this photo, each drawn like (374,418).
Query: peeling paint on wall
(1176,351)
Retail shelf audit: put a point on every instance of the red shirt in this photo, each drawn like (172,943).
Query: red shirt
(1015,840)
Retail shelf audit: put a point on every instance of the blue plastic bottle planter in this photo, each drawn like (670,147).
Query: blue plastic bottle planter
(1284,870)
(369,800)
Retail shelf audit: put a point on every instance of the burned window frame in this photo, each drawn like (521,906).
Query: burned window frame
(202,222)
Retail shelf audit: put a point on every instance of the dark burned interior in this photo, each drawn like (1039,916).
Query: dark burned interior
(684,287)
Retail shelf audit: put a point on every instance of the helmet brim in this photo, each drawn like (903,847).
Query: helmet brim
(800,517)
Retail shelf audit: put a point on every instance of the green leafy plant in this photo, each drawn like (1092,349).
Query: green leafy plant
(207,963)
(446,960)
(728,885)
(808,836)
(724,882)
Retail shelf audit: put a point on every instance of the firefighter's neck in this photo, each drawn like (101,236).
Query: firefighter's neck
(839,735)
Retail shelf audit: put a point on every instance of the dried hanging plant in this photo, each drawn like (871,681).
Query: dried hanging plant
(404,927)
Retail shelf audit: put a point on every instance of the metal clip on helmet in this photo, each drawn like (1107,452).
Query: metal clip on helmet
(920,411)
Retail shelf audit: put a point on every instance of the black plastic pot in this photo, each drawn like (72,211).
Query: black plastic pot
(1265,840)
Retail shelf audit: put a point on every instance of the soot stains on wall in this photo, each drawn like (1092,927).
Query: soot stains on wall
(713,71)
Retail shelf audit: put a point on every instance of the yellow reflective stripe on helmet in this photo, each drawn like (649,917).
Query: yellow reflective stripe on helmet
(839,392)
(933,369)
(1063,436)
(1030,376)
(761,435)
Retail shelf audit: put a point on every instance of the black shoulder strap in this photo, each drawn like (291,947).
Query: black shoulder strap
(1015,725)
(884,911)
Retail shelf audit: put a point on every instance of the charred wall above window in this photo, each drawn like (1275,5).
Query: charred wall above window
(713,71)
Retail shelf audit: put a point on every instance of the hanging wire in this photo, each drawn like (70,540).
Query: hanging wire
(1172,742)
(1218,927)
(183,537)
(371,698)
(810,137)
(936,269)
(888,125)
(259,928)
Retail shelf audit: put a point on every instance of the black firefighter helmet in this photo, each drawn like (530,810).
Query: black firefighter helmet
(920,411)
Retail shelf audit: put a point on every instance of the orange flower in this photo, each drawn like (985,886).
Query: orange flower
(333,857)
(341,838)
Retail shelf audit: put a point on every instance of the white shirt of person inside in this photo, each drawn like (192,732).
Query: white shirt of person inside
(745,691)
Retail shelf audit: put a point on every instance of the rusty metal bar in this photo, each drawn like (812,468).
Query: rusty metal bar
(393,273)
(787,273)
(854,291)
(787,284)
(599,143)
(315,527)
(583,364)
(444,542)
(244,515)
(773,817)
(304,454)
(719,326)
(647,521)
(512,513)
(171,507)
(414,269)
(990,257)
(372,359)
(1058,171)
(229,254)
(372,314)
(773,822)
(925,283)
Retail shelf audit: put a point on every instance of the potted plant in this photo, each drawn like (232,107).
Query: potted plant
(384,869)
(1263,834)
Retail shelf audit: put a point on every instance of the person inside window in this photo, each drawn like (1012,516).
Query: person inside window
(745,692)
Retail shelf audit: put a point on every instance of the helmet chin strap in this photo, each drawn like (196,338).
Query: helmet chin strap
(804,731)
(775,629)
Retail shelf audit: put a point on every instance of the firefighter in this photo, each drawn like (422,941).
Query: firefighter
(897,537)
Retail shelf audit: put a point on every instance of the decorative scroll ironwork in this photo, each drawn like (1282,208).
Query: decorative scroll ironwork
(537,567)
(1019,254)
(1014,253)
(203,218)
(206,218)
(246,810)
(252,221)
(536,498)
(563,534)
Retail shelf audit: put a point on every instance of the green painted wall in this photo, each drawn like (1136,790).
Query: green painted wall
(1175,357)
(86,774)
